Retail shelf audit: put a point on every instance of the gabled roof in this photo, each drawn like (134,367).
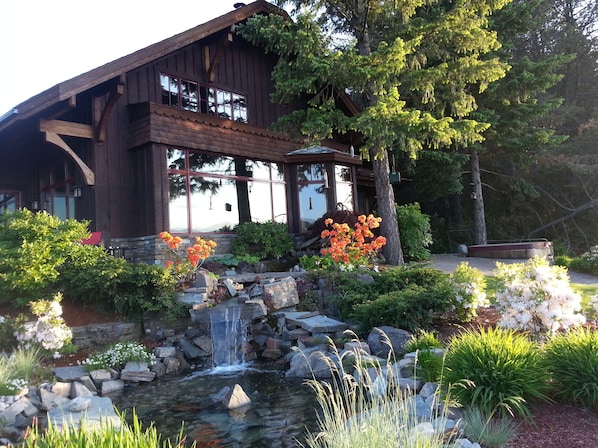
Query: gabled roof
(118,67)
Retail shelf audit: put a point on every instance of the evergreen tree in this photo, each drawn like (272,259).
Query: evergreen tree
(412,67)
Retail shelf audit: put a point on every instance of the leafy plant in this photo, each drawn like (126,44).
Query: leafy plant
(352,291)
(423,340)
(8,329)
(33,247)
(488,431)
(352,246)
(415,231)
(573,366)
(49,332)
(183,263)
(128,288)
(536,297)
(495,370)
(470,286)
(429,365)
(262,239)
(117,356)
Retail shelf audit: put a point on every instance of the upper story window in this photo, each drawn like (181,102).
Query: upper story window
(196,97)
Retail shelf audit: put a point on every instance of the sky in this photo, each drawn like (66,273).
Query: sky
(46,42)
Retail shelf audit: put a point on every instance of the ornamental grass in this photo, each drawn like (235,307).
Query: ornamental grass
(366,408)
(103,436)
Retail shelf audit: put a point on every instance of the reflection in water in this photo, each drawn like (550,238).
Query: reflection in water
(281,409)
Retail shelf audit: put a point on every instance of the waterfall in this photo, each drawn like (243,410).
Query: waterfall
(229,335)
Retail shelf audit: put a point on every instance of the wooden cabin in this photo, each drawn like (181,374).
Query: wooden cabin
(176,136)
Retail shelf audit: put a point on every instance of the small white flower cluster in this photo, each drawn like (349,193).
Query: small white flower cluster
(470,290)
(536,297)
(2,320)
(118,355)
(49,331)
(16,385)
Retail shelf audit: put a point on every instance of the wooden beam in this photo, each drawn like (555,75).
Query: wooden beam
(115,94)
(213,62)
(55,139)
(66,128)
(68,105)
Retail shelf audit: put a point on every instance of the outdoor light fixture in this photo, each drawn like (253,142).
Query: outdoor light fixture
(77,191)
(34,205)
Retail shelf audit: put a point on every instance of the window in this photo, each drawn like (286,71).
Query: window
(179,92)
(315,191)
(9,200)
(211,193)
(56,192)
(196,97)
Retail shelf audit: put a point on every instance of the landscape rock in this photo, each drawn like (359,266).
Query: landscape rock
(384,339)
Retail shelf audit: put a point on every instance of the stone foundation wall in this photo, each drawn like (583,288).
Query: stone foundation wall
(152,250)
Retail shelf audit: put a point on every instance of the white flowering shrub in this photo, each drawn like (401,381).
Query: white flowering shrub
(118,355)
(49,331)
(593,308)
(470,291)
(536,297)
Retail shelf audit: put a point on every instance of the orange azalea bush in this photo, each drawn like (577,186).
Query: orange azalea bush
(185,263)
(352,246)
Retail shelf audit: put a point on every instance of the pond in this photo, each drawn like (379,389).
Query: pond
(281,410)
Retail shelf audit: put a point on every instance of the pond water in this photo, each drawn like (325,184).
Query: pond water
(281,410)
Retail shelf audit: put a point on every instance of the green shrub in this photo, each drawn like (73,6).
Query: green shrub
(33,247)
(262,239)
(413,308)
(127,288)
(495,370)
(563,260)
(415,230)
(410,296)
(102,436)
(470,289)
(573,364)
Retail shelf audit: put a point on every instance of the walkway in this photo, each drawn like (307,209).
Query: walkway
(448,262)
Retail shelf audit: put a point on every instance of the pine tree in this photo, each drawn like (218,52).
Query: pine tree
(413,67)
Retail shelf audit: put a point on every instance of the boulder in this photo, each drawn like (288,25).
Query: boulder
(384,339)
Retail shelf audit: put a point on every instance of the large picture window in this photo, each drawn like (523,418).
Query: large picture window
(210,193)
(207,99)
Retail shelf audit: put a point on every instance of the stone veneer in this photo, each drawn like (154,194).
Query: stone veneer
(152,250)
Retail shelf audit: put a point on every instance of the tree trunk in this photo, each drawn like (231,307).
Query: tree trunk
(389,227)
(386,208)
(477,196)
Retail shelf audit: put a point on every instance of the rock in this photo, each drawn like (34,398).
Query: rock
(50,400)
(281,294)
(70,373)
(191,350)
(384,339)
(204,343)
(78,390)
(165,351)
(99,409)
(110,386)
(138,376)
(236,398)
(100,375)
(310,362)
(79,404)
